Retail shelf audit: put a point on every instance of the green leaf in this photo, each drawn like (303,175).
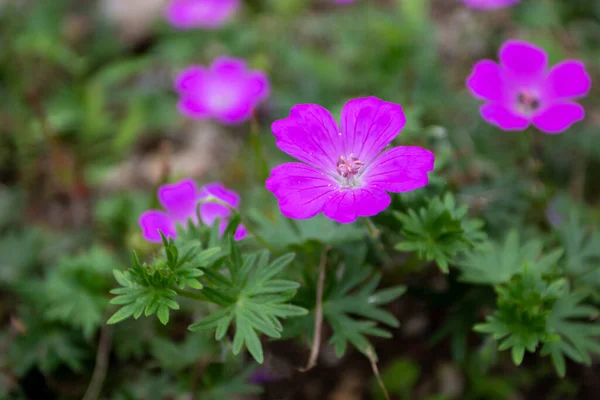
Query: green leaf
(440,231)
(252,297)
(569,319)
(496,263)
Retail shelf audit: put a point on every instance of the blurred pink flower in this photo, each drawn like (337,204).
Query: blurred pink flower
(489,4)
(344,1)
(343,172)
(180,200)
(208,14)
(226,91)
(521,90)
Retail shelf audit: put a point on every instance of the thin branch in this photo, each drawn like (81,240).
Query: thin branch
(371,356)
(316,344)
(99,374)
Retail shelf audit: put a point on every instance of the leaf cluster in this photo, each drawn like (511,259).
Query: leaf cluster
(439,231)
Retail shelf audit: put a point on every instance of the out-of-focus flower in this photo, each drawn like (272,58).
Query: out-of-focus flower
(490,4)
(207,14)
(344,1)
(521,90)
(262,376)
(343,172)
(227,91)
(180,200)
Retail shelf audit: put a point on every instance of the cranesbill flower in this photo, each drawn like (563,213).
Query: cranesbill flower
(180,201)
(207,14)
(521,90)
(343,172)
(227,91)
(489,4)
(344,1)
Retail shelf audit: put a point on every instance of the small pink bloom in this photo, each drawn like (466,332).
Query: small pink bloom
(226,91)
(180,200)
(344,1)
(522,90)
(343,172)
(489,4)
(208,14)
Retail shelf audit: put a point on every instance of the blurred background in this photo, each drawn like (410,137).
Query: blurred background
(89,128)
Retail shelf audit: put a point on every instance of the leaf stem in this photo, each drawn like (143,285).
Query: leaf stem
(249,228)
(373,231)
(260,162)
(316,344)
(371,356)
(99,375)
(191,295)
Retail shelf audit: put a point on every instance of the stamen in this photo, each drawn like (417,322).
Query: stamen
(528,103)
(348,167)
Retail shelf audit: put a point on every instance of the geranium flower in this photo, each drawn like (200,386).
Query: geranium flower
(180,201)
(343,172)
(226,91)
(207,14)
(490,4)
(521,90)
(344,1)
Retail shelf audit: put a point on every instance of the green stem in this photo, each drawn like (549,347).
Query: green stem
(191,295)
(249,228)
(260,162)
(373,231)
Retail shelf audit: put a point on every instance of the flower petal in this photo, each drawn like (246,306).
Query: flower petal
(310,134)
(400,169)
(485,82)
(179,199)
(190,78)
(348,204)
(209,212)
(301,189)
(523,60)
(369,125)
(152,221)
(568,79)
(558,117)
(240,232)
(502,117)
(219,191)
(258,85)
(228,66)
(193,107)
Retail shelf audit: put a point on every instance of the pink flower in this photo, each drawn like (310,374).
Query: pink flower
(344,1)
(343,172)
(489,4)
(180,200)
(208,14)
(226,91)
(521,90)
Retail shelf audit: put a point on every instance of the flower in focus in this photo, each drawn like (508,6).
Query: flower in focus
(180,201)
(343,172)
(489,4)
(521,90)
(208,14)
(226,91)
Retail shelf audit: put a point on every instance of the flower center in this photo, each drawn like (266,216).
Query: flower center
(528,103)
(348,167)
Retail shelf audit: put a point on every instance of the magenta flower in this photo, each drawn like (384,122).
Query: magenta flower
(521,90)
(208,14)
(180,201)
(489,4)
(343,172)
(344,1)
(226,91)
